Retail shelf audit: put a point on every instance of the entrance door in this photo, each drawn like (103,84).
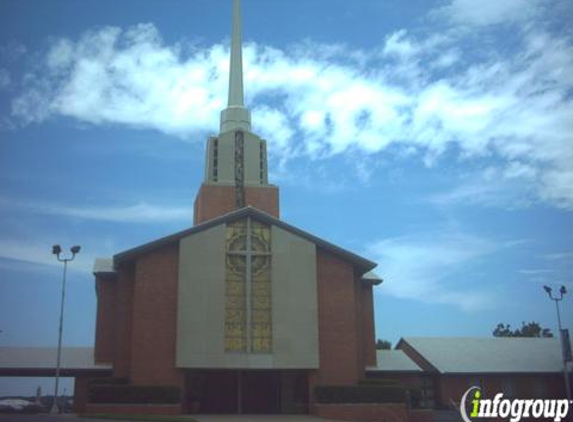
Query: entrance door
(260,392)
(233,391)
(218,392)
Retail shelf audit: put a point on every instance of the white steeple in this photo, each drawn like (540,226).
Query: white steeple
(236,157)
(236,116)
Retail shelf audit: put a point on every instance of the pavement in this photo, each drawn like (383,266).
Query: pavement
(198,418)
(259,418)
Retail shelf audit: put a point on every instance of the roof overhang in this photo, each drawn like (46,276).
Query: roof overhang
(41,362)
(362,264)
(372,279)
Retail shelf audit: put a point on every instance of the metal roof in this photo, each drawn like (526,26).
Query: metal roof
(489,355)
(363,264)
(372,278)
(103,266)
(42,360)
(394,361)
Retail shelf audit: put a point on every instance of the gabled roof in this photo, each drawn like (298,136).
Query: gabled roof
(462,355)
(394,361)
(361,263)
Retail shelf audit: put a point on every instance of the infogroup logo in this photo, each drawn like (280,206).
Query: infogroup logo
(514,409)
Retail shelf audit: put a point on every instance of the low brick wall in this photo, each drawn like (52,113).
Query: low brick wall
(146,409)
(421,415)
(390,412)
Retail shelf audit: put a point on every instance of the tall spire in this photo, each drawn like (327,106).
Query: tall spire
(236,68)
(236,116)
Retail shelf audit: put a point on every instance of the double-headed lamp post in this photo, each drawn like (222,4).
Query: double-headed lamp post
(562,292)
(57,250)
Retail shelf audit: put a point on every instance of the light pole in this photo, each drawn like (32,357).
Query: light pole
(57,250)
(562,292)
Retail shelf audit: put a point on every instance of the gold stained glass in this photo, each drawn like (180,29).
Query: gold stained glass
(235,288)
(261,237)
(261,344)
(237,236)
(248,254)
(261,292)
(261,289)
(235,304)
(261,302)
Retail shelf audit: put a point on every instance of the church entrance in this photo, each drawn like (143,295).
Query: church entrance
(245,391)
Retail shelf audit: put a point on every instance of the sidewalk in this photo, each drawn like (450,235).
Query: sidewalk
(259,418)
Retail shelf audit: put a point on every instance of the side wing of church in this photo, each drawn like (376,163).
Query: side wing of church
(241,313)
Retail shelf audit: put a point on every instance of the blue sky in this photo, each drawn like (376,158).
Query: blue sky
(433,137)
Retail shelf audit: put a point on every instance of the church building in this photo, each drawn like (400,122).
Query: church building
(242,312)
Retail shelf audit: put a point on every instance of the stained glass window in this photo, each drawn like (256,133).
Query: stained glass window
(248,290)
(235,287)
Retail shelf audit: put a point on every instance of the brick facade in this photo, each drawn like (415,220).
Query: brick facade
(105,317)
(140,409)
(216,200)
(137,322)
(80,394)
(122,333)
(340,343)
(368,332)
(155,318)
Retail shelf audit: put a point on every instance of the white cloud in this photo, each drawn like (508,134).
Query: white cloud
(127,77)
(514,107)
(479,12)
(417,267)
(398,44)
(535,272)
(39,253)
(139,213)
(510,187)
(559,256)
(540,276)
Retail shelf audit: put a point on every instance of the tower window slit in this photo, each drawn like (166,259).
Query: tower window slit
(215,159)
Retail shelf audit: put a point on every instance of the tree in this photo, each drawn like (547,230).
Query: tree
(503,330)
(383,345)
(531,329)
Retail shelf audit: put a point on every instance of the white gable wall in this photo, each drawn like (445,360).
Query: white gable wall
(201,304)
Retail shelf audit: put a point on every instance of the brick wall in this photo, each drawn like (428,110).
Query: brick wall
(80,393)
(264,198)
(155,318)
(141,409)
(105,320)
(215,200)
(338,317)
(123,323)
(368,335)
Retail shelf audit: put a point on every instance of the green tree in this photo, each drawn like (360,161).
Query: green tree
(531,329)
(503,330)
(383,345)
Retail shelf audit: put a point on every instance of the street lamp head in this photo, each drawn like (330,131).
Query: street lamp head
(547,289)
(56,249)
(75,249)
(563,290)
